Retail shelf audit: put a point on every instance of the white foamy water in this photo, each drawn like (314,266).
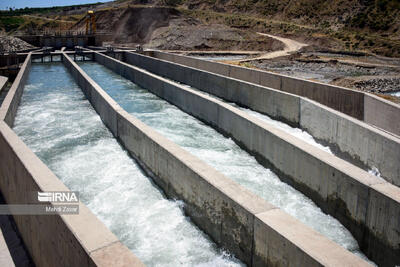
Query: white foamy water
(220,152)
(395,94)
(297,132)
(57,122)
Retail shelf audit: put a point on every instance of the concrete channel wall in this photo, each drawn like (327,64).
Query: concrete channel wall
(3,83)
(382,113)
(357,104)
(52,240)
(255,231)
(350,138)
(362,202)
(9,106)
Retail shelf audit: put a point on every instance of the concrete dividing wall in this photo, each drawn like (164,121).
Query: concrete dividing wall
(350,102)
(255,231)
(353,140)
(52,240)
(382,113)
(3,82)
(10,104)
(338,187)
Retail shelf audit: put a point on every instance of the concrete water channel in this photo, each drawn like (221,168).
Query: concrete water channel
(67,134)
(218,151)
(61,127)
(57,122)
(182,177)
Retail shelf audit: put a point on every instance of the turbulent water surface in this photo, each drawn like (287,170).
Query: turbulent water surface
(396,94)
(57,122)
(218,151)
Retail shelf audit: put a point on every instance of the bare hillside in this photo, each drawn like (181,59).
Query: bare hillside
(167,28)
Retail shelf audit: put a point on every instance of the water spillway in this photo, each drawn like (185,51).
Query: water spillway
(57,122)
(218,151)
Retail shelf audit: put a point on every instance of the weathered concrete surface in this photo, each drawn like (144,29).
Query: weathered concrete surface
(351,102)
(267,242)
(359,141)
(10,104)
(5,256)
(338,187)
(14,244)
(384,215)
(220,207)
(345,135)
(59,240)
(3,82)
(382,113)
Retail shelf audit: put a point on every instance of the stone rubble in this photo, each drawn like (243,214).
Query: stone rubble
(13,44)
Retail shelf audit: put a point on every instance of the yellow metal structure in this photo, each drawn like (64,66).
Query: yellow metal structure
(90,22)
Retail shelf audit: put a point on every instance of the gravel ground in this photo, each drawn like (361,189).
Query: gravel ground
(377,79)
(324,72)
(10,44)
(379,84)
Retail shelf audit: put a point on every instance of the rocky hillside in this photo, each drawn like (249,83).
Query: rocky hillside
(372,15)
(351,25)
(345,25)
(168,28)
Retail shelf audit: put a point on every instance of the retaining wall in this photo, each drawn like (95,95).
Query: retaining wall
(382,113)
(9,106)
(255,231)
(338,187)
(357,104)
(349,138)
(52,240)
(352,139)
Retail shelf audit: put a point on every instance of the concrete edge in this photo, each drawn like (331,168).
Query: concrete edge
(387,116)
(9,106)
(355,141)
(3,82)
(5,255)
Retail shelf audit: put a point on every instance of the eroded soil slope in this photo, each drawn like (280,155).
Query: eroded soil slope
(167,28)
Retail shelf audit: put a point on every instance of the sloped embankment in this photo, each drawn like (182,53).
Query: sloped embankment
(167,28)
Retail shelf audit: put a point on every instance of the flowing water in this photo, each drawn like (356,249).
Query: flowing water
(218,151)
(297,132)
(57,122)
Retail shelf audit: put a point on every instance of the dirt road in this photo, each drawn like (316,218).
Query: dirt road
(290,46)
